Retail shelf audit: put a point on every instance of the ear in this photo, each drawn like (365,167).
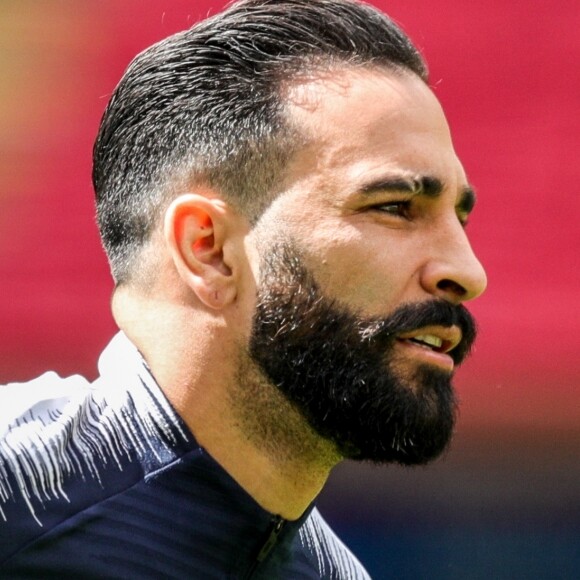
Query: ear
(195,230)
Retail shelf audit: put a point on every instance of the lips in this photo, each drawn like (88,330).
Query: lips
(439,339)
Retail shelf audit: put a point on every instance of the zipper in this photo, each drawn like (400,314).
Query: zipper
(276,526)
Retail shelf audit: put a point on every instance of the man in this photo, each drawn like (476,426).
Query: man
(284,215)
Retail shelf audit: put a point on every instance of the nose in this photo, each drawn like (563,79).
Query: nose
(453,272)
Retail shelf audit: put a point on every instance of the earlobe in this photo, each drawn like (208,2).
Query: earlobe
(195,230)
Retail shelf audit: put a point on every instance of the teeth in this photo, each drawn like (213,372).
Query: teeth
(429,339)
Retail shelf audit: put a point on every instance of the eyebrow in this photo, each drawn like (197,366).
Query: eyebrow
(424,185)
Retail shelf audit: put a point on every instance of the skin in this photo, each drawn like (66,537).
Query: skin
(396,131)
(372,248)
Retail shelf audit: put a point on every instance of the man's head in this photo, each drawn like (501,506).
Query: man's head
(323,237)
(206,106)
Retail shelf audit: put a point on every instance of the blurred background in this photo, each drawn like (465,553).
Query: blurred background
(505,501)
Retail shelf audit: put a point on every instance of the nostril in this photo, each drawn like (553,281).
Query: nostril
(449,286)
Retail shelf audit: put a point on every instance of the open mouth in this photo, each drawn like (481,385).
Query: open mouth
(437,339)
(431,342)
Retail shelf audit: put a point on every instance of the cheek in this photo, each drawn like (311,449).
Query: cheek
(369,280)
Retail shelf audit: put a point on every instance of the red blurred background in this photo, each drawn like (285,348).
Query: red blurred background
(507,74)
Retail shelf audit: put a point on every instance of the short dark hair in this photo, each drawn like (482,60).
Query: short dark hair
(204,106)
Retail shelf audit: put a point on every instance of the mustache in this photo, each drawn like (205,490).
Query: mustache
(289,279)
(409,317)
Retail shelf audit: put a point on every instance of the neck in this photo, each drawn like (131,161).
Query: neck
(240,418)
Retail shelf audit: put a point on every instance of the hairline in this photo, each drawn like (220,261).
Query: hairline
(293,134)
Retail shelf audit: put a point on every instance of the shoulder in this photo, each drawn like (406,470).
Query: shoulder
(57,434)
(35,419)
(328,553)
(29,410)
(67,445)
(25,404)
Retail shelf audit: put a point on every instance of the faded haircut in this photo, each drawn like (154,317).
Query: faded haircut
(204,106)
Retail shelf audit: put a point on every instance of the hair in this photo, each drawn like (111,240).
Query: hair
(204,106)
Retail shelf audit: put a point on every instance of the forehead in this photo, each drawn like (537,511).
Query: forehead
(369,93)
(361,120)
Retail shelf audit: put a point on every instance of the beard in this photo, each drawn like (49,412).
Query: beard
(339,369)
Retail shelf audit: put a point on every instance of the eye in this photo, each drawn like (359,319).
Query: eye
(401,208)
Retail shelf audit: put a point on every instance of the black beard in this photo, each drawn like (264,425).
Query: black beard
(337,368)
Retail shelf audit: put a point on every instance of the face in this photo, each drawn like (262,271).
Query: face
(339,368)
(372,218)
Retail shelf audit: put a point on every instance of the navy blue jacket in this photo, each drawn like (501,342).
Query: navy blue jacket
(104,480)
